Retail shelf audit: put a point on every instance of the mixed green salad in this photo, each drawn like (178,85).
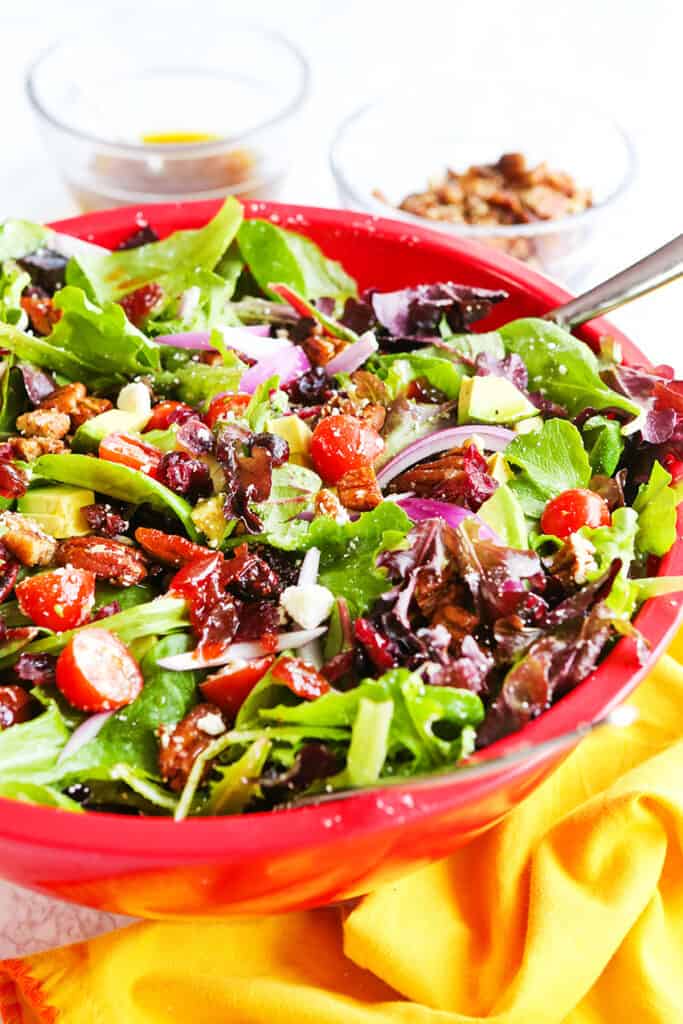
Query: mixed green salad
(264,537)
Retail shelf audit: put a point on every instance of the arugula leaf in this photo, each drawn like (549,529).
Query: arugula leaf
(170,263)
(13,280)
(275,255)
(604,444)
(550,460)
(29,750)
(560,366)
(655,504)
(397,371)
(20,237)
(116,481)
(159,617)
(130,736)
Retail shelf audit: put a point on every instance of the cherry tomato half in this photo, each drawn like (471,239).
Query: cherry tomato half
(341,443)
(129,451)
(166,413)
(571,510)
(223,405)
(96,672)
(61,599)
(230,688)
(301,678)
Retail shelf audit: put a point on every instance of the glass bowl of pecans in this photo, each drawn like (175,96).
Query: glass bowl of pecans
(162,110)
(535,175)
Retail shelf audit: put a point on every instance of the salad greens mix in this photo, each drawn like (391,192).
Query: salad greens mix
(264,537)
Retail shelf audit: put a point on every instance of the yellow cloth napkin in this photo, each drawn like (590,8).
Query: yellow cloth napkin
(569,912)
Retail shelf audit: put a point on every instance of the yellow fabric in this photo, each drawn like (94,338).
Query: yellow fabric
(569,912)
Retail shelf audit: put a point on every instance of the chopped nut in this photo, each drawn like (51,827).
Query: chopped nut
(44,423)
(24,538)
(65,399)
(28,449)
(180,746)
(358,489)
(574,560)
(328,504)
(87,408)
(319,349)
(108,559)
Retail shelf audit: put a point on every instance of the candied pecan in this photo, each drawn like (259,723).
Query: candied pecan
(358,489)
(66,398)
(319,349)
(37,305)
(369,386)
(44,423)
(108,559)
(16,705)
(180,746)
(328,504)
(573,561)
(87,408)
(23,537)
(28,449)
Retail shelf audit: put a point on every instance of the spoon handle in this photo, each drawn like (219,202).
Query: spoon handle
(660,267)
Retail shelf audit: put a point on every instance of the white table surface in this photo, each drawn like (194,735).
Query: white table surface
(623,53)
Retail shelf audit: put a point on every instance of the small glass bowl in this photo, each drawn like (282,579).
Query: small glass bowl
(401,142)
(169,109)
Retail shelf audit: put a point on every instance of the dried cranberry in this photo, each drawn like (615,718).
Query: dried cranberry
(214,613)
(139,304)
(276,446)
(255,474)
(193,434)
(46,268)
(13,481)
(184,475)
(311,388)
(250,576)
(143,236)
(9,570)
(105,520)
(79,792)
(376,646)
(38,669)
(473,486)
(285,564)
(113,608)
(16,705)
(258,619)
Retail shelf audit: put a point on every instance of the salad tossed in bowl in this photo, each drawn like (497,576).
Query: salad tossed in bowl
(263,537)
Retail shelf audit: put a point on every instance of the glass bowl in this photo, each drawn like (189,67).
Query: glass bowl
(399,143)
(169,109)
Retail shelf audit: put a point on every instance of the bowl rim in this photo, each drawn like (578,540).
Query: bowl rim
(184,149)
(367,202)
(161,840)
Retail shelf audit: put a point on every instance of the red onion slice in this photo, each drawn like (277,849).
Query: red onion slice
(429,508)
(287,365)
(241,651)
(83,733)
(249,341)
(495,439)
(308,573)
(353,356)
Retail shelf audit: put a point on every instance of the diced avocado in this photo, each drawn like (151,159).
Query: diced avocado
(528,426)
(498,468)
(492,400)
(164,440)
(59,509)
(207,516)
(114,421)
(503,513)
(296,433)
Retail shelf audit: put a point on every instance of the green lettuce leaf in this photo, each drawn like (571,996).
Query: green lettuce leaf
(614,541)
(13,400)
(198,383)
(655,504)
(604,443)
(171,263)
(20,237)
(13,280)
(267,401)
(547,461)
(561,367)
(277,256)
(397,371)
(29,750)
(293,491)
(32,793)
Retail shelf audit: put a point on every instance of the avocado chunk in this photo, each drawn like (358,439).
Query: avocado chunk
(492,400)
(58,510)
(503,513)
(115,421)
(296,433)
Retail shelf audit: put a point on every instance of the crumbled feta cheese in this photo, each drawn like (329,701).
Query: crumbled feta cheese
(135,398)
(308,605)
(211,723)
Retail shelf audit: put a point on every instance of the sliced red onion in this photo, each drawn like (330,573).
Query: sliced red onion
(241,651)
(83,734)
(308,573)
(495,439)
(287,364)
(246,340)
(429,508)
(353,356)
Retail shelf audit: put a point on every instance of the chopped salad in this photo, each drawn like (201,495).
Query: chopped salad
(263,537)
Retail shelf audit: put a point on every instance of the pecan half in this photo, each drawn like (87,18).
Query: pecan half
(28,449)
(328,504)
(65,399)
(358,489)
(23,537)
(49,423)
(107,559)
(87,408)
(180,746)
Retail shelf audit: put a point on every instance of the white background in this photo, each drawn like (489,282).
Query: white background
(625,54)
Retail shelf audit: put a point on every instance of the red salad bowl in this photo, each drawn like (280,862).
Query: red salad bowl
(344,846)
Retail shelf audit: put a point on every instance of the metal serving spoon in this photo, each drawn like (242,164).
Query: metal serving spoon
(660,267)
